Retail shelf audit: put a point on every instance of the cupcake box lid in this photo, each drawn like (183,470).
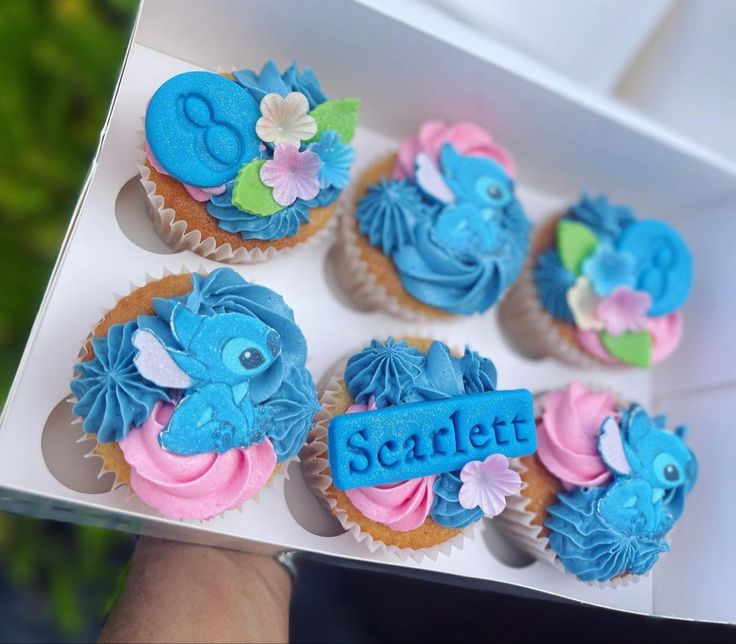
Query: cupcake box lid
(111,244)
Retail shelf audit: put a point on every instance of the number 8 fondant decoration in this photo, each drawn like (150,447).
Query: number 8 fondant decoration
(663,264)
(201,128)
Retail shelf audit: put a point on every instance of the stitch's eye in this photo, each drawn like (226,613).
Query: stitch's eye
(493,192)
(667,470)
(245,357)
(251,358)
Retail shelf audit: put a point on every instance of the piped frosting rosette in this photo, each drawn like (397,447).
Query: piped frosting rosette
(602,493)
(407,406)
(239,167)
(601,288)
(195,388)
(437,229)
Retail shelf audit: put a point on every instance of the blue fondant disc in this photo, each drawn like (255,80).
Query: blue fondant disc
(200,127)
(664,266)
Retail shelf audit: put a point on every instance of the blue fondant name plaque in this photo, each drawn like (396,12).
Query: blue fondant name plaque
(431,437)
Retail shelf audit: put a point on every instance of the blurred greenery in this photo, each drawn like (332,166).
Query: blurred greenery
(59,61)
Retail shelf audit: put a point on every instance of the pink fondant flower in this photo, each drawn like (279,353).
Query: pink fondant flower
(486,484)
(292,174)
(625,310)
(285,119)
(467,138)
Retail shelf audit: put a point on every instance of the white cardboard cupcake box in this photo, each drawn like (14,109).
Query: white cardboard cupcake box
(406,66)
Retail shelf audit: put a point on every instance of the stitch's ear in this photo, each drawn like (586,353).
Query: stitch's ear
(155,363)
(639,425)
(681,432)
(449,158)
(184,324)
(430,180)
(611,447)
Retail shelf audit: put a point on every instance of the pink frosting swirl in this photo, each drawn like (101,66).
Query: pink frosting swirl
(192,487)
(567,434)
(466,137)
(666,331)
(198,194)
(401,506)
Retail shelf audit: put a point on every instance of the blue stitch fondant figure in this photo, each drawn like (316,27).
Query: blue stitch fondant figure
(602,532)
(480,188)
(654,470)
(214,361)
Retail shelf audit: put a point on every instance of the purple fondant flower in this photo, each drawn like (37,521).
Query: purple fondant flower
(292,174)
(486,484)
(608,268)
(625,310)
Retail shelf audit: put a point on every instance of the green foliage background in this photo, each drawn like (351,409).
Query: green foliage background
(59,61)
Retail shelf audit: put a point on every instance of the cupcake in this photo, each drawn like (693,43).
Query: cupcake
(436,229)
(606,486)
(195,389)
(240,167)
(600,288)
(405,453)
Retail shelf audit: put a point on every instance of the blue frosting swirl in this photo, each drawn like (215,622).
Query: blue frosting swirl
(388,212)
(478,373)
(591,548)
(286,417)
(284,223)
(396,373)
(384,370)
(553,281)
(270,81)
(446,509)
(111,396)
(605,219)
(456,256)
(460,280)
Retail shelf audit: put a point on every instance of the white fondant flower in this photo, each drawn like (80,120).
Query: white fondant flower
(285,119)
(486,484)
(583,303)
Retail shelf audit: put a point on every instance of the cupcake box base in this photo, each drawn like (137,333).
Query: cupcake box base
(426,66)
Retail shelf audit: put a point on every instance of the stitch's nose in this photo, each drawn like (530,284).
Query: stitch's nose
(274,343)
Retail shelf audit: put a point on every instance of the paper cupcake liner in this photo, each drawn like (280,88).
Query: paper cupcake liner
(516,520)
(316,470)
(106,461)
(176,234)
(532,330)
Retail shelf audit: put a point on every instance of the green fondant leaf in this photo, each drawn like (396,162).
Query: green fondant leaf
(630,348)
(340,115)
(575,242)
(251,194)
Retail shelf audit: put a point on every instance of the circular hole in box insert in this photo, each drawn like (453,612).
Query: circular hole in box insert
(131,212)
(306,509)
(65,457)
(337,284)
(503,549)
